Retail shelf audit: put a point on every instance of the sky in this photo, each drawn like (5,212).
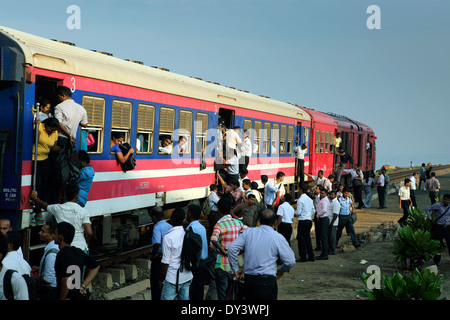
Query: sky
(319,54)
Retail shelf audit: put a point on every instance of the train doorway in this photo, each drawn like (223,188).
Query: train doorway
(226,118)
(46,90)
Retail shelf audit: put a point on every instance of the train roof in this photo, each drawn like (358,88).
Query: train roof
(57,56)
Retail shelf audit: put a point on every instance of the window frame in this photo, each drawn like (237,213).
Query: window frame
(93,125)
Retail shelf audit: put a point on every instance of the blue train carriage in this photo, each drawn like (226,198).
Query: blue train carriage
(144,103)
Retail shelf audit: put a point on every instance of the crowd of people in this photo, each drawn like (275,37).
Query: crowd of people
(247,237)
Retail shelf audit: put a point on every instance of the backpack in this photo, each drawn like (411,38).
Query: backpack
(7,286)
(206,207)
(131,161)
(190,253)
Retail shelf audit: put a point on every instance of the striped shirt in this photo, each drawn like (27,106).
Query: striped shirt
(226,230)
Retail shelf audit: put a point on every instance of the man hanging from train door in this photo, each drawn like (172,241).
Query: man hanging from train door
(70,115)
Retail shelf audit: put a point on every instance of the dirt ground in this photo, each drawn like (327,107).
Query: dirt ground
(338,278)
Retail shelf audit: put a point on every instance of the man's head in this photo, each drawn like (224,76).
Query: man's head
(346,193)
(407,182)
(157,214)
(280,175)
(332,195)
(320,173)
(71,190)
(63,93)
(251,199)
(47,233)
(224,205)
(64,233)
(331,178)
(5,225)
(288,198)
(166,142)
(323,193)
(194,211)
(446,199)
(178,216)
(268,217)
(15,240)
(246,184)
(182,140)
(264,179)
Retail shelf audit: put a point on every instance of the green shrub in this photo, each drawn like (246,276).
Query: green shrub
(419,285)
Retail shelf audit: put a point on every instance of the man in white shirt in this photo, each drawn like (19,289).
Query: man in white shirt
(246,152)
(413,179)
(322,181)
(305,210)
(13,259)
(285,216)
(324,222)
(404,199)
(70,114)
(381,189)
(300,152)
(172,246)
(47,274)
(333,213)
(232,138)
(72,213)
(18,284)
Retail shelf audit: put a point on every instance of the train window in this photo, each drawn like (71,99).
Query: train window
(306,135)
(331,141)
(327,142)
(95,109)
(266,138)
(166,128)
(275,138)
(283,139)
(201,132)
(121,118)
(248,127)
(322,141)
(185,130)
(145,128)
(256,137)
(317,141)
(290,140)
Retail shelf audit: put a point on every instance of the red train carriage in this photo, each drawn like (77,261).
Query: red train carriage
(357,138)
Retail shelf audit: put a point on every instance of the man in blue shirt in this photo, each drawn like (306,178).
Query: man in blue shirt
(345,220)
(440,229)
(196,289)
(270,191)
(160,228)
(262,247)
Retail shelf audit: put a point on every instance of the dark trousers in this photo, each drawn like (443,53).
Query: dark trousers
(413,198)
(381,191)
(357,189)
(261,287)
(223,279)
(301,170)
(318,231)
(43,173)
(155,277)
(323,225)
(48,293)
(432,195)
(304,239)
(405,206)
(345,221)
(286,231)
(245,164)
(439,232)
(201,277)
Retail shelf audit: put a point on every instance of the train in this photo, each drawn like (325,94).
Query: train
(147,103)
